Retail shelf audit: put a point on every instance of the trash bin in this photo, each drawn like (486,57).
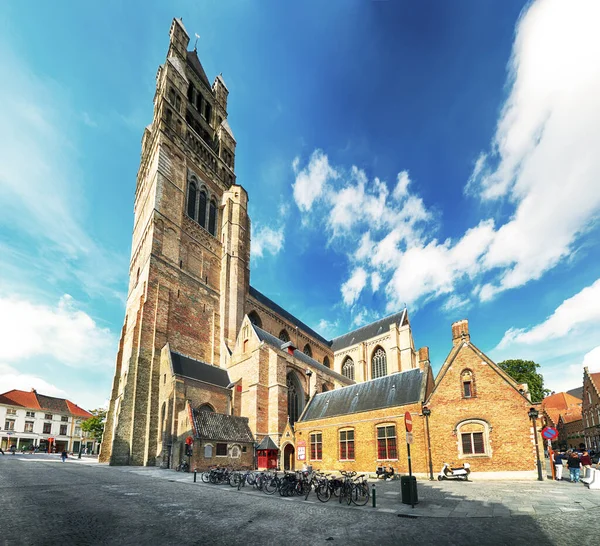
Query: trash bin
(408,486)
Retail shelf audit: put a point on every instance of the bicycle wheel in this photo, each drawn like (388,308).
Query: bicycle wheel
(205,477)
(323,492)
(270,486)
(234,479)
(360,494)
(348,493)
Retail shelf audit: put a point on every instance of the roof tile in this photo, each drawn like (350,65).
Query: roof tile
(218,426)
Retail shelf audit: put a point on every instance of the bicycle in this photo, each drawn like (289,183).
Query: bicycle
(183,467)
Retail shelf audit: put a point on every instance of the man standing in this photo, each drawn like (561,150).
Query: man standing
(586,462)
(558,464)
(574,464)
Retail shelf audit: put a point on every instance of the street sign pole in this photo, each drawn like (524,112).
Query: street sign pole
(409,465)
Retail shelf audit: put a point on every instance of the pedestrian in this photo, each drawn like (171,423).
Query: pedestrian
(1,451)
(558,464)
(574,464)
(13,449)
(586,462)
(63,455)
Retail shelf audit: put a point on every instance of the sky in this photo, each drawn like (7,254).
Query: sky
(437,155)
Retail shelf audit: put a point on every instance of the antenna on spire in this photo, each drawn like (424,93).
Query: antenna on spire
(196,42)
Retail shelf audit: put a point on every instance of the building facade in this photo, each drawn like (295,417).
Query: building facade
(591,410)
(31,421)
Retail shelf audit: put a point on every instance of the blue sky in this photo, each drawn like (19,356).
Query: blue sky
(441,155)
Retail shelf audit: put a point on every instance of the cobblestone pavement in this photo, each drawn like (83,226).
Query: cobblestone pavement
(44,501)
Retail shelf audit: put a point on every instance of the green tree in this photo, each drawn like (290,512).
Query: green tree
(525,371)
(95,425)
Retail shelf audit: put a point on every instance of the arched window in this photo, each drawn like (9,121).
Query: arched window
(206,407)
(255,319)
(212,218)
(325,388)
(467,384)
(378,364)
(202,209)
(326,362)
(473,438)
(163,419)
(348,368)
(307,350)
(191,205)
(295,397)
(284,336)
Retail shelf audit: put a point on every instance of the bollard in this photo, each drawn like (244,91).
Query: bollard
(194,475)
(374,497)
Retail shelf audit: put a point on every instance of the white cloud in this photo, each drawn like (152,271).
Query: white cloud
(375,281)
(327,328)
(401,189)
(455,302)
(310,182)
(581,309)
(352,288)
(266,239)
(592,360)
(10,378)
(62,332)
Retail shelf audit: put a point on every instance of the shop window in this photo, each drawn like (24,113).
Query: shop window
(347,445)
(473,438)
(221,450)
(47,428)
(386,442)
(316,446)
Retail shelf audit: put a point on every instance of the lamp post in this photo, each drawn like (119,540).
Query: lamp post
(427,413)
(533,415)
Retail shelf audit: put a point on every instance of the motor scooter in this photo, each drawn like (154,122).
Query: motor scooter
(459,473)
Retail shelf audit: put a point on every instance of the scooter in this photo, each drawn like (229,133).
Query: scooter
(385,473)
(459,473)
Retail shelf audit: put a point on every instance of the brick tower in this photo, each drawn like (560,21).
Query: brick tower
(190,255)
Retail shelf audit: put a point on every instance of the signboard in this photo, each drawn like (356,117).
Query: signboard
(301,447)
(189,441)
(408,421)
(409,438)
(549,433)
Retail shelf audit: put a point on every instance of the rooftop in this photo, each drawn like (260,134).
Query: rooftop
(201,371)
(218,426)
(33,400)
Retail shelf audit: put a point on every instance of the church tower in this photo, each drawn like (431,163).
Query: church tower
(190,255)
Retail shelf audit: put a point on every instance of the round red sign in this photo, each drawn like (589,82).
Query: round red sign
(408,421)
(189,440)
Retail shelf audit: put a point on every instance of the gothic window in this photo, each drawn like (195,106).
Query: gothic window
(466,381)
(295,397)
(177,103)
(202,209)
(255,319)
(206,407)
(284,336)
(212,218)
(378,364)
(307,350)
(172,96)
(208,112)
(191,206)
(348,368)
(199,102)
(169,116)
(326,362)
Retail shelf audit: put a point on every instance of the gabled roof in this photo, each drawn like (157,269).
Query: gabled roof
(261,298)
(595,378)
(276,343)
(220,427)
(560,401)
(195,64)
(34,400)
(369,331)
(267,443)
(393,390)
(195,369)
(571,416)
(20,398)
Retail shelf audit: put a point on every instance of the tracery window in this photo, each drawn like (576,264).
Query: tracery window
(307,350)
(212,218)
(202,209)
(255,319)
(284,336)
(295,397)
(348,368)
(378,363)
(191,206)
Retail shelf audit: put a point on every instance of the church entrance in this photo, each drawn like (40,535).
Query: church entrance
(288,457)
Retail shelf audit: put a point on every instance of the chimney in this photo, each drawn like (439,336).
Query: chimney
(423,357)
(460,332)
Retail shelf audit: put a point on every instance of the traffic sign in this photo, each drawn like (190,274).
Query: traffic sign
(549,433)
(408,421)
(189,441)
(409,438)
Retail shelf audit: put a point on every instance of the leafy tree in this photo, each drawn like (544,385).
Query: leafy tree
(95,425)
(525,371)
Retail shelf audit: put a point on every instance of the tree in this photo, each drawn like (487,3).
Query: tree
(95,424)
(525,371)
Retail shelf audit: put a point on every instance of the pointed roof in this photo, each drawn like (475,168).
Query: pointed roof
(227,128)
(369,331)
(595,378)
(195,64)
(267,443)
(20,398)
(34,400)
(220,427)
(185,366)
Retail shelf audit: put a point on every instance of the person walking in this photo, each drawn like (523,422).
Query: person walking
(586,462)
(558,464)
(574,464)
(63,455)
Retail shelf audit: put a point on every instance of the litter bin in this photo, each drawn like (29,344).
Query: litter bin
(408,486)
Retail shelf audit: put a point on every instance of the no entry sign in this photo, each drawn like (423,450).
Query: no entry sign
(408,421)
(549,433)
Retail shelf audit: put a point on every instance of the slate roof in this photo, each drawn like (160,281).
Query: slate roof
(195,369)
(267,443)
(34,400)
(261,298)
(397,389)
(218,426)
(195,64)
(299,355)
(577,393)
(369,331)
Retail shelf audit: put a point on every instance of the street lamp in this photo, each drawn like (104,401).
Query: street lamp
(427,413)
(533,415)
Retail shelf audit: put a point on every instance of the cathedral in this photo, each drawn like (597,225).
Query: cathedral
(210,368)
(190,289)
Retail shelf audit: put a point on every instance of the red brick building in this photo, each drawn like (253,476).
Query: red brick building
(591,409)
